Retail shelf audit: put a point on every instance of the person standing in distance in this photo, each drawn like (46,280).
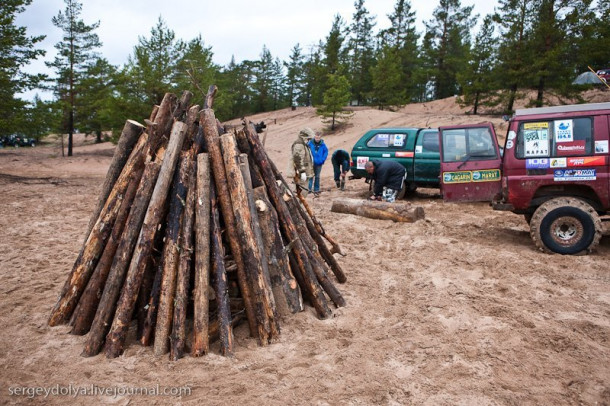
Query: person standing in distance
(319,152)
(340,160)
(301,161)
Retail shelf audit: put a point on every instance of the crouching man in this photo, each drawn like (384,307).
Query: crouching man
(388,176)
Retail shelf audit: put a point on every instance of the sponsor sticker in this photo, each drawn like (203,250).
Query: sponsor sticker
(509,144)
(563,175)
(512,135)
(587,161)
(419,149)
(564,131)
(404,154)
(385,155)
(361,161)
(485,175)
(601,147)
(399,140)
(537,163)
(536,139)
(559,162)
(571,148)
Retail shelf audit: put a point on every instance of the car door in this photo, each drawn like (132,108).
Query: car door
(427,158)
(470,163)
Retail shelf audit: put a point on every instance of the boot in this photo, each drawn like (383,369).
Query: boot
(343,184)
(338,184)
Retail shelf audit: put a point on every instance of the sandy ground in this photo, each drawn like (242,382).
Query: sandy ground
(456,309)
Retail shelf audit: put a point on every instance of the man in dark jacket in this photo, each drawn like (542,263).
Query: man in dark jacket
(340,160)
(388,177)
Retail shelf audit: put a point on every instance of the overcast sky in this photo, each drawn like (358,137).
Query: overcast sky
(236,28)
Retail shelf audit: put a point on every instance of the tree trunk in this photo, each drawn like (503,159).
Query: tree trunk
(285,288)
(171,255)
(129,294)
(208,122)
(114,282)
(397,212)
(220,278)
(316,295)
(178,338)
(130,135)
(200,345)
(87,304)
(246,221)
(93,247)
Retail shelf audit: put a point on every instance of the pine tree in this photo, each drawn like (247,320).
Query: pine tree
(479,81)
(387,79)
(195,70)
(446,46)
(402,36)
(362,52)
(76,53)
(336,97)
(16,51)
(295,77)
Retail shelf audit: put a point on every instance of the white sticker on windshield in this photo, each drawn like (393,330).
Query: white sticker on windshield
(564,131)
(418,149)
(399,140)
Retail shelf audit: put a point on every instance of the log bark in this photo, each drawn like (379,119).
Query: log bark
(220,277)
(132,131)
(251,244)
(114,282)
(212,139)
(200,345)
(316,295)
(150,319)
(209,98)
(93,247)
(178,337)
(316,261)
(87,304)
(116,336)
(159,129)
(397,212)
(286,291)
(320,230)
(171,255)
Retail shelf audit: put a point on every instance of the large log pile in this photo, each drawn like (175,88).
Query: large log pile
(195,230)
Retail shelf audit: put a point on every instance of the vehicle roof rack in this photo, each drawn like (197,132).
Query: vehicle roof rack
(562,109)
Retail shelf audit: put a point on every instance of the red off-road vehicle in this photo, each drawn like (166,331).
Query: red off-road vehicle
(554,171)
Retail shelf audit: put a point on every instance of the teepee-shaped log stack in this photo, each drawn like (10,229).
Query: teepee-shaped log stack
(195,230)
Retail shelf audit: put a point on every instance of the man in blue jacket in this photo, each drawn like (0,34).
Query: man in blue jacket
(388,177)
(319,152)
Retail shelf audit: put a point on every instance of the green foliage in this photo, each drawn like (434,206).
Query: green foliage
(17,49)
(336,97)
(76,54)
(361,52)
(387,77)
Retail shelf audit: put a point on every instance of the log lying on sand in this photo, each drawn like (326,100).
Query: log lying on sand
(398,212)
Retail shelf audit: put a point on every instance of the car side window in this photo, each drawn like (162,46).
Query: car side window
(386,140)
(555,138)
(464,144)
(430,142)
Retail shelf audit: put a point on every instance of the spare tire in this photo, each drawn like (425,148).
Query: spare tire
(566,225)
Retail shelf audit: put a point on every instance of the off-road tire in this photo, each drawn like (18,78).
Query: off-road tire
(566,225)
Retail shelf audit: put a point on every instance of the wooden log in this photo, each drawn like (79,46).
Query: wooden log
(214,330)
(220,277)
(200,344)
(171,255)
(397,212)
(255,174)
(159,129)
(145,291)
(286,291)
(316,295)
(114,282)
(212,140)
(318,226)
(209,98)
(129,294)
(178,337)
(132,131)
(316,261)
(93,247)
(238,174)
(87,304)
(325,253)
(150,319)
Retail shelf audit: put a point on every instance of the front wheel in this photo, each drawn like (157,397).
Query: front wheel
(566,225)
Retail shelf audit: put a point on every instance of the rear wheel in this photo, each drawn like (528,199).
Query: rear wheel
(566,225)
